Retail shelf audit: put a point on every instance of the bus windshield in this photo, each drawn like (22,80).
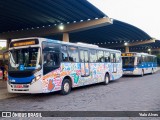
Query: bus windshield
(24,59)
(128,61)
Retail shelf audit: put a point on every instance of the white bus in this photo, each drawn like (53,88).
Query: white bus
(139,63)
(40,65)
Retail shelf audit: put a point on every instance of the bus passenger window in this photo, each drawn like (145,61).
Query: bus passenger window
(111,55)
(48,61)
(118,57)
(51,57)
(64,54)
(73,54)
(106,56)
(93,56)
(82,57)
(100,56)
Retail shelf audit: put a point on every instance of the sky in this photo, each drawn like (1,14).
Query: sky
(143,14)
(2,44)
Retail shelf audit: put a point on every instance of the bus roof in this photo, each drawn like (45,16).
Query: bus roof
(67,43)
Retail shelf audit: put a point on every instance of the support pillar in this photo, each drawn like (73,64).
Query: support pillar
(7,44)
(149,52)
(65,37)
(127,49)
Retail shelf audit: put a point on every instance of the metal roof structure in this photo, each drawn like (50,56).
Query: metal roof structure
(18,16)
(109,36)
(143,48)
(30,14)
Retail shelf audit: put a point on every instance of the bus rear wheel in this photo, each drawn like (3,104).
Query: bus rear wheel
(106,79)
(66,87)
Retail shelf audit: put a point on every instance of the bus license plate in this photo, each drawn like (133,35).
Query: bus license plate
(18,86)
(127,72)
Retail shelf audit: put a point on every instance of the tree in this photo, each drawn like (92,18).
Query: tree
(2,48)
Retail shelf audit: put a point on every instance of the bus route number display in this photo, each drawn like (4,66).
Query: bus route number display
(127,54)
(23,43)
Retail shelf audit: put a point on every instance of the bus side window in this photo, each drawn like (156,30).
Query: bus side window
(73,54)
(93,55)
(113,58)
(155,59)
(118,57)
(139,61)
(82,57)
(100,56)
(64,54)
(51,57)
(106,56)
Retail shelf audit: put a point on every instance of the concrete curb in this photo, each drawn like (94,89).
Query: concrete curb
(4,94)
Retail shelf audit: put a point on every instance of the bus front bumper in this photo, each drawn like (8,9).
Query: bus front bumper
(25,88)
(134,72)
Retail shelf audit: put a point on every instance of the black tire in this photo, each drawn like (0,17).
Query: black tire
(106,79)
(152,71)
(142,74)
(66,87)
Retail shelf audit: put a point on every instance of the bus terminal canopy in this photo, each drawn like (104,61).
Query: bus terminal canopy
(144,48)
(17,15)
(109,36)
(41,18)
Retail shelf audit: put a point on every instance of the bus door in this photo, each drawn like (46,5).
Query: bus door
(113,62)
(144,63)
(84,63)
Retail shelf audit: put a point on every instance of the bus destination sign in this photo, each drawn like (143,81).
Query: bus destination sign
(23,43)
(128,54)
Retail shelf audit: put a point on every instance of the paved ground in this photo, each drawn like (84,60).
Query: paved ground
(126,94)
(4,93)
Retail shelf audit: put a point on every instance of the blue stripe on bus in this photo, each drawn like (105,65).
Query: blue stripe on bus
(21,80)
(128,69)
(143,65)
(147,65)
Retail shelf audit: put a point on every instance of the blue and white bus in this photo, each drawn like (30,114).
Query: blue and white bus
(138,63)
(40,65)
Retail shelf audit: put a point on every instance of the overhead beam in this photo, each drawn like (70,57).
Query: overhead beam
(141,42)
(135,43)
(68,28)
(155,49)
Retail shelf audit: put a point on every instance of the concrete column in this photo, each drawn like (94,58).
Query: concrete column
(65,37)
(7,43)
(149,52)
(126,48)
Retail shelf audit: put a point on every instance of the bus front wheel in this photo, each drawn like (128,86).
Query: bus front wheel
(106,79)
(66,87)
(142,74)
(152,71)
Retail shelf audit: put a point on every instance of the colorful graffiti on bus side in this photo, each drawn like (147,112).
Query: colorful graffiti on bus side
(53,80)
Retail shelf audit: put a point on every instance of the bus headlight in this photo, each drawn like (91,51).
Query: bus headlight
(136,70)
(36,79)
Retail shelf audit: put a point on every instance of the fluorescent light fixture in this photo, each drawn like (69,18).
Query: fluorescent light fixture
(61,27)
(125,43)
